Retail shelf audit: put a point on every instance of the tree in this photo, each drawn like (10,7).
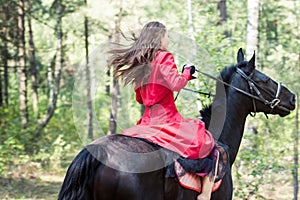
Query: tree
(22,65)
(296,154)
(58,63)
(8,44)
(223,14)
(88,77)
(32,60)
(1,96)
(115,87)
(253,29)
(190,19)
(296,134)
(5,57)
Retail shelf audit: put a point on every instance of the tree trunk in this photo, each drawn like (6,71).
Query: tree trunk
(5,75)
(1,92)
(3,56)
(253,29)
(6,55)
(22,65)
(190,20)
(296,143)
(296,154)
(191,29)
(107,86)
(88,78)
(113,108)
(54,88)
(296,135)
(32,59)
(115,88)
(223,14)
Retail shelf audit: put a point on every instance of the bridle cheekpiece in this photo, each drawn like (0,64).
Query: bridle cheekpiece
(254,88)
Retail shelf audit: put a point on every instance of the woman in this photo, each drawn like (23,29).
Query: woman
(151,68)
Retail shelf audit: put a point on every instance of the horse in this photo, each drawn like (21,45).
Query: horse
(122,167)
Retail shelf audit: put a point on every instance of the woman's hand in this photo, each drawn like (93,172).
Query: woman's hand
(189,69)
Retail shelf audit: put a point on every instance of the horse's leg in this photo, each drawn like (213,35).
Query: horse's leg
(110,184)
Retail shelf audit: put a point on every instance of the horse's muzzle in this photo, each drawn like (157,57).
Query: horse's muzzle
(293,100)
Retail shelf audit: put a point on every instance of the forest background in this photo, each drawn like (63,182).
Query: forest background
(52,50)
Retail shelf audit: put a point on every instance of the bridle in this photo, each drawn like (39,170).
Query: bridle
(254,89)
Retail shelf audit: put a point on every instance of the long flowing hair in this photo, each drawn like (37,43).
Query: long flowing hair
(132,64)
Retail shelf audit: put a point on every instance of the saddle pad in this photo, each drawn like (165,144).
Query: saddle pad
(191,181)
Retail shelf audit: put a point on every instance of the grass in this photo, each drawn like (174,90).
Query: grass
(25,179)
(38,185)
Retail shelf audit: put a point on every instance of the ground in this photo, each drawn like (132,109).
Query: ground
(41,185)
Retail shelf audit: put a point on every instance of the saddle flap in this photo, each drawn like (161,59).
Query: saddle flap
(190,180)
(187,179)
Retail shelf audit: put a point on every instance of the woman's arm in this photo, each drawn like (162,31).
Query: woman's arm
(170,73)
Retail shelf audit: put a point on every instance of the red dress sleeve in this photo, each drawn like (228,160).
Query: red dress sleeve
(170,73)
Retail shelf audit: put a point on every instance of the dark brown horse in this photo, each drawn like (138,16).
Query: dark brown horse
(121,167)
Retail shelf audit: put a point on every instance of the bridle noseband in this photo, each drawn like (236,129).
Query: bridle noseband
(254,87)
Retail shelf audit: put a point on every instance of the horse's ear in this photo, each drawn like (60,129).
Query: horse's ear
(240,56)
(251,63)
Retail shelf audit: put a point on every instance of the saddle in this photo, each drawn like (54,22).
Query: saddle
(189,172)
(192,180)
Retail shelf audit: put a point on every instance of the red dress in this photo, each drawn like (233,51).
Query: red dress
(161,122)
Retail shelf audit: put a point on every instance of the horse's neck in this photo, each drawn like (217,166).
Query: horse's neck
(234,123)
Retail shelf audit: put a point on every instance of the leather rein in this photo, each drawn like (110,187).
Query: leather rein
(254,88)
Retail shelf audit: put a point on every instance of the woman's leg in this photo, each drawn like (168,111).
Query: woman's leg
(208,183)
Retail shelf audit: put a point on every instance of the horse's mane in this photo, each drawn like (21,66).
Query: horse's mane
(225,75)
(227,72)
(205,115)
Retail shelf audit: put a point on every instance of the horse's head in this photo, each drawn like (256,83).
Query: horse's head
(267,95)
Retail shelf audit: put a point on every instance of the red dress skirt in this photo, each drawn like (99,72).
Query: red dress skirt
(161,122)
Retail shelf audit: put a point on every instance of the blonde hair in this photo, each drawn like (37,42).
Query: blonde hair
(132,64)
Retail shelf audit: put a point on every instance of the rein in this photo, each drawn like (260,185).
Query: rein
(254,87)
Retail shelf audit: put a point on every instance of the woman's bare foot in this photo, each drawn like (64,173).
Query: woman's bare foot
(203,197)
